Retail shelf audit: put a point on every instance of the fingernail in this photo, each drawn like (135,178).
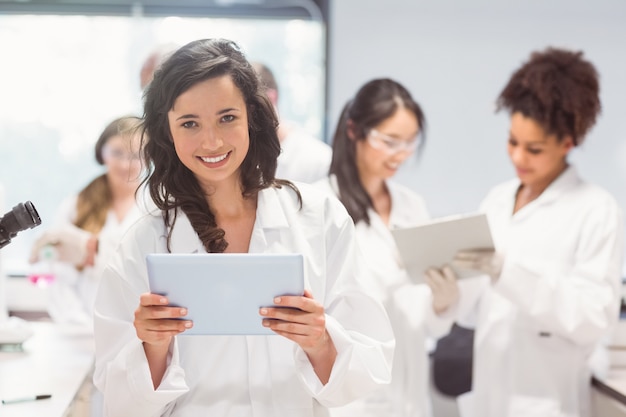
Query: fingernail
(266,323)
(277,300)
(183,311)
(188,324)
(163,300)
(263,311)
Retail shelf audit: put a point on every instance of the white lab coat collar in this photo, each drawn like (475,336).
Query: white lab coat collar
(569,178)
(399,216)
(269,211)
(269,215)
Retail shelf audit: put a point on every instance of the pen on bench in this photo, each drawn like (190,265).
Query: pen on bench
(24,399)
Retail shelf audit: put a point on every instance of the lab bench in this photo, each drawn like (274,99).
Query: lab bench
(608,396)
(609,391)
(55,360)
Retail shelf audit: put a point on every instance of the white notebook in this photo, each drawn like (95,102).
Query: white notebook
(434,244)
(223,292)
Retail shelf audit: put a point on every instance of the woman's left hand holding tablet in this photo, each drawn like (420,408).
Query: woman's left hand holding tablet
(302,320)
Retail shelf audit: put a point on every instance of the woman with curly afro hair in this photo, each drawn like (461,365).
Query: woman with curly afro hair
(555,275)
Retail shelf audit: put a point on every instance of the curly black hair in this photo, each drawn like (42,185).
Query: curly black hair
(558,89)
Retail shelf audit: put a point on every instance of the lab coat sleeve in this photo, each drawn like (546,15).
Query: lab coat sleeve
(438,325)
(471,291)
(415,302)
(357,324)
(122,373)
(579,302)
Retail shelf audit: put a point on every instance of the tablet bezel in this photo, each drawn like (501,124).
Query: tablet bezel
(237,285)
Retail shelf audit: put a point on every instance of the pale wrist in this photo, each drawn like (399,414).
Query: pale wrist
(92,250)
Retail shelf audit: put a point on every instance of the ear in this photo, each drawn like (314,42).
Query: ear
(567,144)
(351,130)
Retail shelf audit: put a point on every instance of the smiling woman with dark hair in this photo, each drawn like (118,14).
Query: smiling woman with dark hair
(211,147)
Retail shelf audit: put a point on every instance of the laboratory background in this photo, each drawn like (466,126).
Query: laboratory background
(69,67)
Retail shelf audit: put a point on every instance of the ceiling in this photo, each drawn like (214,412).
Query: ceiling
(306,9)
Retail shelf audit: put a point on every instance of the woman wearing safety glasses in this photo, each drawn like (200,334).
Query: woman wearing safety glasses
(89,226)
(378,130)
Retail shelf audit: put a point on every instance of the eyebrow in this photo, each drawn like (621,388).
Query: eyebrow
(536,142)
(219,113)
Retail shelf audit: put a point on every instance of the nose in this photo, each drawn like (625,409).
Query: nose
(517,155)
(401,155)
(212,139)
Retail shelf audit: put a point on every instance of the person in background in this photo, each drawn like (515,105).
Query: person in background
(378,130)
(211,142)
(89,226)
(554,287)
(152,62)
(303,158)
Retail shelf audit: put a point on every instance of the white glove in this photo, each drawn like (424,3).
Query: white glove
(443,285)
(69,242)
(487,261)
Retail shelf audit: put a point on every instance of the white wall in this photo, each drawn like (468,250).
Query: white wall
(455,56)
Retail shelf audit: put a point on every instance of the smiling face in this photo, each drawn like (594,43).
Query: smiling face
(377,156)
(209,127)
(538,157)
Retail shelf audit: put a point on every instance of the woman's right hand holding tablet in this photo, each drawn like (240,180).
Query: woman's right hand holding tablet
(156,323)
(444,287)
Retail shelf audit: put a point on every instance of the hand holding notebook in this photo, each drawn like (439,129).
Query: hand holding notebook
(435,244)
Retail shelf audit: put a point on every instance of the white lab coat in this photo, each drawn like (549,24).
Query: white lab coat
(264,376)
(409,306)
(73,294)
(557,297)
(303,158)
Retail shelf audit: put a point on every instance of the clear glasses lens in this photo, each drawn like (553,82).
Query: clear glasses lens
(119,155)
(387,143)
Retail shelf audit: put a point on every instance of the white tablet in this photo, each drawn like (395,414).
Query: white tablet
(434,244)
(223,292)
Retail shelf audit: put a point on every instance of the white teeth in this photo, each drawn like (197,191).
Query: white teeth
(215,159)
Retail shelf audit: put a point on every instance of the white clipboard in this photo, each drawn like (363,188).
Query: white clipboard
(223,292)
(434,244)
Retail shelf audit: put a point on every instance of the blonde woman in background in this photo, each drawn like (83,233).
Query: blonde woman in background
(89,226)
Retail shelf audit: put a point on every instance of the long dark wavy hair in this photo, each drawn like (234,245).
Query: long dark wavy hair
(172,185)
(376,101)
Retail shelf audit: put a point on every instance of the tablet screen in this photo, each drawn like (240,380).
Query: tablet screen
(223,292)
